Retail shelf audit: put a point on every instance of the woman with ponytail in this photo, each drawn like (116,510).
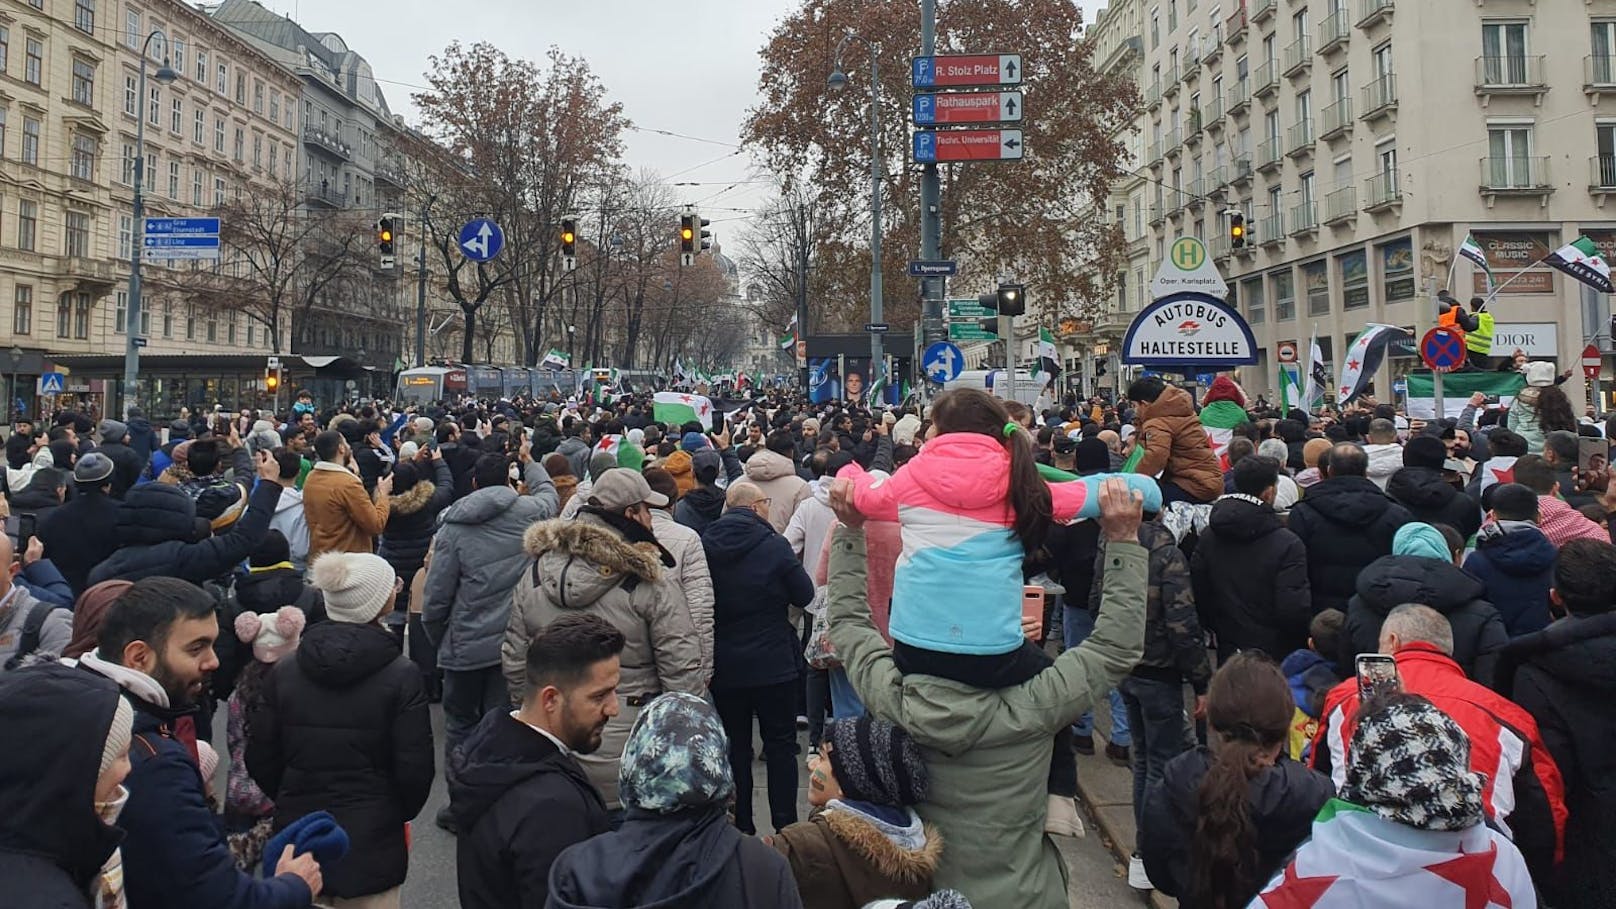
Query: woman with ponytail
(970,508)
(1226,818)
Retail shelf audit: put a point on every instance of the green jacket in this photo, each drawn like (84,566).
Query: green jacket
(988,751)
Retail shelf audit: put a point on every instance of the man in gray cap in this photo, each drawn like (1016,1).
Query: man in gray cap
(80,535)
(126,465)
(606,561)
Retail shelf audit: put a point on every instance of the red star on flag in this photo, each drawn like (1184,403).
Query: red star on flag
(686,399)
(1346,390)
(1474,874)
(1507,475)
(606,443)
(1353,363)
(1297,892)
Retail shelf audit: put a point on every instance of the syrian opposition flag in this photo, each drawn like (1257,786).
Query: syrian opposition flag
(1318,377)
(608,444)
(877,389)
(1219,420)
(554,359)
(1581,260)
(1457,387)
(676,408)
(1364,356)
(1472,250)
(788,338)
(1474,868)
(1290,387)
(1046,362)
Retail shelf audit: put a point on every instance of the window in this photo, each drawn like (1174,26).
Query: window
(5,47)
(258,97)
(287,159)
(64,316)
(258,150)
(1271,128)
(30,141)
(213,326)
(1386,159)
(274,156)
(230,337)
(84,82)
(1252,293)
(82,164)
(1299,25)
(251,332)
(1284,296)
(1603,39)
(120,312)
(1354,268)
(196,186)
(131,27)
(241,87)
(202,66)
(190,325)
(199,125)
(1605,139)
(222,83)
(1172,16)
(1340,86)
(27,224)
(176,115)
(129,98)
(174,180)
(22,310)
(1155,28)
(1383,60)
(177,50)
(1307,188)
(1509,156)
(218,190)
(1503,53)
(218,133)
(274,106)
(1270,48)
(126,236)
(129,162)
(241,144)
(77,242)
(168,320)
(154,107)
(34,60)
(84,16)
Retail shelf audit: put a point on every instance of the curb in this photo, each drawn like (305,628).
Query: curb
(1116,835)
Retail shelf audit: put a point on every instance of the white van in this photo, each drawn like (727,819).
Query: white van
(993,381)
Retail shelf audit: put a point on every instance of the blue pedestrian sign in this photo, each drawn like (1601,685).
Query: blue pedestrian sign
(52,383)
(481,239)
(943,362)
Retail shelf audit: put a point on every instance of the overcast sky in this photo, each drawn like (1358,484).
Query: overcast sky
(689,67)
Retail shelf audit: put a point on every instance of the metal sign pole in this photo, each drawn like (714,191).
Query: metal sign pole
(1436,377)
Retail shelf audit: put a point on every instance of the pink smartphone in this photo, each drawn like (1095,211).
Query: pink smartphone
(1032,603)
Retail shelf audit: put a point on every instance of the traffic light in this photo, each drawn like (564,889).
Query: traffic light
(1012,299)
(272,379)
(687,234)
(384,235)
(704,237)
(569,236)
(1237,230)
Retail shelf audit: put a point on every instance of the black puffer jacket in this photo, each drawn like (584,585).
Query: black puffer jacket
(756,578)
(1428,498)
(413,519)
(1345,523)
(1391,581)
(700,507)
(343,727)
(126,467)
(1565,676)
(157,535)
(1250,579)
(80,535)
(52,844)
(268,589)
(1283,800)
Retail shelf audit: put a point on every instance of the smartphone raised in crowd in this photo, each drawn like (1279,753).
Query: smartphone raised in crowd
(1377,674)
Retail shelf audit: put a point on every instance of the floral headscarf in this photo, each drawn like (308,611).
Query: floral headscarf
(676,757)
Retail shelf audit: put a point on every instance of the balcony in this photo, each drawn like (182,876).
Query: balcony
(1153,95)
(1218,180)
(1175,202)
(1514,176)
(1192,129)
(1271,230)
(1157,215)
(1240,172)
(1238,98)
(1382,192)
(1214,115)
(1235,26)
(1214,45)
(1334,32)
(1220,247)
(1602,176)
(1170,81)
(1175,139)
(1262,9)
(94,275)
(1192,59)
(1304,219)
(1268,155)
(1298,57)
(1299,139)
(1599,76)
(1379,98)
(322,194)
(1341,205)
(390,173)
(1265,81)
(1515,74)
(326,142)
(1192,70)
(1336,120)
(1373,12)
(1199,190)
(1155,157)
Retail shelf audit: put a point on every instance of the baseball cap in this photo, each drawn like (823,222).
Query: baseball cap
(621,488)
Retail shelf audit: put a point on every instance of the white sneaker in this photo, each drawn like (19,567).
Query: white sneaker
(1137,878)
(1061,818)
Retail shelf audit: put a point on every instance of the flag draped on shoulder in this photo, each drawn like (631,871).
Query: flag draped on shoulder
(1363,359)
(1581,260)
(677,407)
(1472,250)
(608,444)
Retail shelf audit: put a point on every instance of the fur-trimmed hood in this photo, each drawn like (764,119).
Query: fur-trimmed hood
(885,857)
(413,499)
(580,560)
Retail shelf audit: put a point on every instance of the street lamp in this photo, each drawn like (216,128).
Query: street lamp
(836,82)
(165,75)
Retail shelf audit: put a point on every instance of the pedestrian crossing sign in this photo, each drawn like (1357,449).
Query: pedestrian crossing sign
(52,383)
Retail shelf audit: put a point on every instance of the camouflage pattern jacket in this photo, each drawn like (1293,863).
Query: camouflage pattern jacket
(1175,645)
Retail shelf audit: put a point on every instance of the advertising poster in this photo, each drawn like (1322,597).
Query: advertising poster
(1513,256)
(841,379)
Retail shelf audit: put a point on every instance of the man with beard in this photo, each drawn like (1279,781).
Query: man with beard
(518,794)
(157,644)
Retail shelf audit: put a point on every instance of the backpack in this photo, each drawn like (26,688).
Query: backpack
(32,626)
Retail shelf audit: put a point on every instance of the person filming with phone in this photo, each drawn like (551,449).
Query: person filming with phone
(1523,792)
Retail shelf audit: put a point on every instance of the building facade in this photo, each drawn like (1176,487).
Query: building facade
(1362,140)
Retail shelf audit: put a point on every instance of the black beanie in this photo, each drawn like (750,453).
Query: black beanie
(1425,451)
(1092,457)
(876,761)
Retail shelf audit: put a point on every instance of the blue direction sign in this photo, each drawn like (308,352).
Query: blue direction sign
(481,239)
(180,238)
(942,362)
(175,227)
(180,242)
(933,268)
(1400,386)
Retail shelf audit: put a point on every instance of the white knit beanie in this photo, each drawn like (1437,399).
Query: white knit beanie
(357,585)
(119,734)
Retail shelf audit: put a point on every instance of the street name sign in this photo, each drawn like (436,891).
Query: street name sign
(967,69)
(969,309)
(966,107)
(969,331)
(933,268)
(967,145)
(876,328)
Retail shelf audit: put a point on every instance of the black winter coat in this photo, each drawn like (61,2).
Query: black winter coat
(1430,499)
(413,519)
(52,843)
(268,589)
(756,578)
(126,467)
(1283,802)
(1516,568)
(1391,581)
(1073,549)
(343,727)
(142,439)
(1345,523)
(519,802)
(157,532)
(39,497)
(80,535)
(700,507)
(1250,579)
(1565,676)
